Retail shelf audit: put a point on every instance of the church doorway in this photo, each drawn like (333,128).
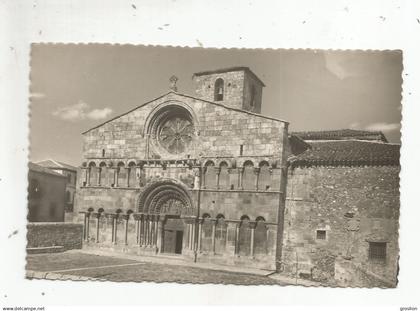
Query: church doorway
(173,233)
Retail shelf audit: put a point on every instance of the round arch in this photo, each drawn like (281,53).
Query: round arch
(166,196)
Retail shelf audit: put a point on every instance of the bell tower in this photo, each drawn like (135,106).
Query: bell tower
(236,87)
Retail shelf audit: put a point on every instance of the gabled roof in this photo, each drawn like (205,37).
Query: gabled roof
(228,69)
(187,96)
(348,153)
(40,169)
(52,164)
(341,134)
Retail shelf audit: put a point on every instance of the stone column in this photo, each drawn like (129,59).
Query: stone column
(190,235)
(151,231)
(137,222)
(213,236)
(252,225)
(203,176)
(237,238)
(156,230)
(146,230)
(160,226)
(88,214)
(128,169)
(200,226)
(97,216)
(240,177)
(115,176)
(217,171)
(257,176)
(84,225)
(196,178)
(116,227)
(98,175)
(112,217)
(126,218)
(194,238)
(88,175)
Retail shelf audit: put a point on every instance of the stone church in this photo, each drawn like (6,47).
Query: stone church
(208,178)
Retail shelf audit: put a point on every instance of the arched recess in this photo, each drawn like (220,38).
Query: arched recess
(220,236)
(244,236)
(260,241)
(166,196)
(248,179)
(206,233)
(121,175)
(209,175)
(102,174)
(93,177)
(264,179)
(132,174)
(224,180)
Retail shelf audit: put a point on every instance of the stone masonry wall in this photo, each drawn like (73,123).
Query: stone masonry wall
(68,235)
(355,206)
(220,131)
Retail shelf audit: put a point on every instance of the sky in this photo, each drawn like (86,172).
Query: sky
(76,87)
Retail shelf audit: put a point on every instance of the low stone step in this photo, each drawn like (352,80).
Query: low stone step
(45,249)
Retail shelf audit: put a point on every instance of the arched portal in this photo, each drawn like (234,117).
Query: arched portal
(170,200)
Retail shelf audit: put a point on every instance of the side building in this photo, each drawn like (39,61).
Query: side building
(46,194)
(342,210)
(70,172)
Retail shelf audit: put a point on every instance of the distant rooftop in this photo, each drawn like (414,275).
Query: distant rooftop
(348,153)
(52,164)
(342,134)
(44,170)
(228,69)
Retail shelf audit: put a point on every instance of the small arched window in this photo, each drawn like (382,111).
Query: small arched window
(219,90)
(102,173)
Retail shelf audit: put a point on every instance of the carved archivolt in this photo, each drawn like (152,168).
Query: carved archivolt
(166,196)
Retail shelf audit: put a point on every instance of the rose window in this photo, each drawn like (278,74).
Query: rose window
(176,134)
(172,130)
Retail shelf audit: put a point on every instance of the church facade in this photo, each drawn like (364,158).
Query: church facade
(203,177)
(208,178)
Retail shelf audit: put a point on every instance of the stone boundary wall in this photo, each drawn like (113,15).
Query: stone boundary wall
(42,234)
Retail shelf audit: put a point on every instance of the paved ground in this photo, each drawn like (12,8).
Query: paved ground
(126,270)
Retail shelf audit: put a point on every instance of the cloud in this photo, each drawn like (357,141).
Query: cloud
(343,65)
(97,114)
(384,127)
(80,111)
(355,125)
(37,95)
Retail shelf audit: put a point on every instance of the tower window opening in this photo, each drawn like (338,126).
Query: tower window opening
(219,89)
(103,153)
(252,102)
(241,150)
